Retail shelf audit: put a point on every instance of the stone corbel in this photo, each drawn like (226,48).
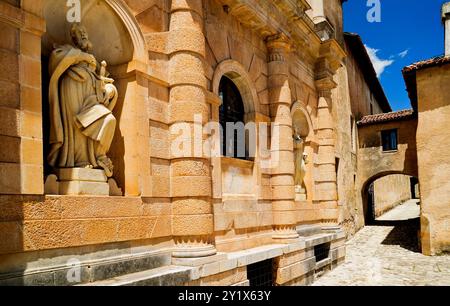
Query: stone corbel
(330,60)
(325,30)
(332,51)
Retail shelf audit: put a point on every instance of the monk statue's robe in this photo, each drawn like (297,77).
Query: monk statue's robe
(300,161)
(81,102)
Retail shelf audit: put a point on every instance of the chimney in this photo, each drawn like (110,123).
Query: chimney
(446,22)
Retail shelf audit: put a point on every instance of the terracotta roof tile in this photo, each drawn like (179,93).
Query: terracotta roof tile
(435,61)
(386,117)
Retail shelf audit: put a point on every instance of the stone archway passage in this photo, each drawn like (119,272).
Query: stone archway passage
(385,193)
(374,162)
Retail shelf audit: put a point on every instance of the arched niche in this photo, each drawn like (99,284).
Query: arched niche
(302,126)
(301,121)
(117,39)
(110,36)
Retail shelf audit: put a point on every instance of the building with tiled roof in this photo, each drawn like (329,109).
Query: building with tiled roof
(387,117)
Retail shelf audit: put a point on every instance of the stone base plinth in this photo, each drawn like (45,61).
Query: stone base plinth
(300,197)
(300,189)
(194,251)
(83,188)
(300,194)
(78,181)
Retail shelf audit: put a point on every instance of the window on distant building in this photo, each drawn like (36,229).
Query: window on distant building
(232,112)
(390,140)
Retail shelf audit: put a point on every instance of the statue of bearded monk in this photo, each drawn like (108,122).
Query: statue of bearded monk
(81,98)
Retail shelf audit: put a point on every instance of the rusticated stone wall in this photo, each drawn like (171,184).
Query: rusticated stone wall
(432,143)
(188,206)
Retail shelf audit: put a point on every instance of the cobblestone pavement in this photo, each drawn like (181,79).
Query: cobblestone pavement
(388,254)
(407,211)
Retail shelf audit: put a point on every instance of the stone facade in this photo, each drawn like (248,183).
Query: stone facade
(167,62)
(190,219)
(427,86)
(374,163)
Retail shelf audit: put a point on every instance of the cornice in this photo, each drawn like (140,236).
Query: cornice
(279,16)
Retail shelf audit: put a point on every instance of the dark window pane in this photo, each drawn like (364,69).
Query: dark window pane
(389,140)
(231,111)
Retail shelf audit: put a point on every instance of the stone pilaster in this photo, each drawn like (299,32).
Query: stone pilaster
(191,193)
(282,179)
(326,182)
(21,164)
(446,22)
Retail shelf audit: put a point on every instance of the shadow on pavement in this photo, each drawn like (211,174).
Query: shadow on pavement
(404,234)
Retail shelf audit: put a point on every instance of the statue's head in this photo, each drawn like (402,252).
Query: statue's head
(80,37)
(305,157)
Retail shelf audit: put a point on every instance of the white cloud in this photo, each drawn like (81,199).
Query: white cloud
(404,53)
(379,64)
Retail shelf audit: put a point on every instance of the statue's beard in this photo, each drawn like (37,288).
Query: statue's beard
(84,44)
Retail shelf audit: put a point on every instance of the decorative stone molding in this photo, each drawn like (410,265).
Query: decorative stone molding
(239,75)
(332,51)
(301,27)
(284,232)
(325,30)
(278,45)
(133,28)
(194,247)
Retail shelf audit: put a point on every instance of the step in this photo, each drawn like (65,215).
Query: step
(90,270)
(163,276)
(309,230)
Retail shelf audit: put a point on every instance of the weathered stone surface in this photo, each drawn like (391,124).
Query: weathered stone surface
(372,262)
(168,59)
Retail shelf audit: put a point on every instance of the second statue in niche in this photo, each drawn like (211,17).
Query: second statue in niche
(81,98)
(300,163)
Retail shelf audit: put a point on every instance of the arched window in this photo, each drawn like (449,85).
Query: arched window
(234,141)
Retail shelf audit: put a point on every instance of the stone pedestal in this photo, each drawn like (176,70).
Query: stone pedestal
(80,181)
(300,194)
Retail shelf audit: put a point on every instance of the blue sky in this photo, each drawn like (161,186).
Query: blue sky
(409,31)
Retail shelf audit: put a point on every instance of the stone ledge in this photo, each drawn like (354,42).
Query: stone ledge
(197,262)
(251,256)
(319,239)
(323,263)
(81,174)
(229,261)
(242,284)
(296,270)
(164,276)
(90,270)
